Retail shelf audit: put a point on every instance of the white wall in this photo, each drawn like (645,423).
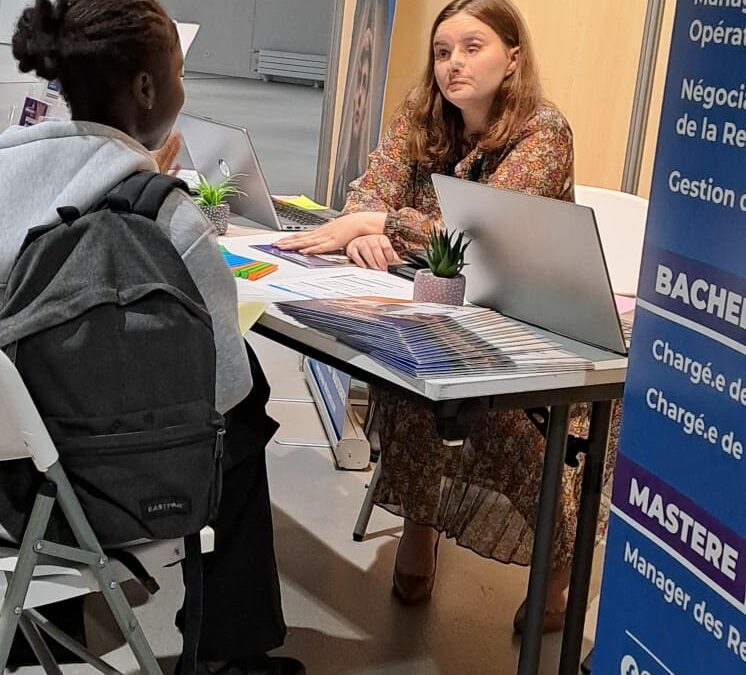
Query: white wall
(233,30)
(10,10)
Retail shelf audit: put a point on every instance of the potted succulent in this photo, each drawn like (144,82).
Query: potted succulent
(442,282)
(212,199)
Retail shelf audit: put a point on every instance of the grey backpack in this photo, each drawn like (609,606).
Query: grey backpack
(116,347)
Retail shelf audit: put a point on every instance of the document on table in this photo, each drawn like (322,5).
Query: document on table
(190,177)
(340,284)
(345,284)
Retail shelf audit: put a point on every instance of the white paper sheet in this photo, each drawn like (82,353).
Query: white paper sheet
(342,283)
(187,33)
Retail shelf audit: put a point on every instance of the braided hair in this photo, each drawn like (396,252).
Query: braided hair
(93,47)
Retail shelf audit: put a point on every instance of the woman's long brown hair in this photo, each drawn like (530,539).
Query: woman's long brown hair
(437,127)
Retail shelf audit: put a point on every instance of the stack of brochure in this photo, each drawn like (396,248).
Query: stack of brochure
(428,340)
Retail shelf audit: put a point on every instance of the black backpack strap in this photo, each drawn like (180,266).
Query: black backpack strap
(143,193)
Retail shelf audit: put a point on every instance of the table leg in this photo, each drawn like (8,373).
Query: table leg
(370,416)
(541,560)
(585,539)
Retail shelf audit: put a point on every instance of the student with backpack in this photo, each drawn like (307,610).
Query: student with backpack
(120,68)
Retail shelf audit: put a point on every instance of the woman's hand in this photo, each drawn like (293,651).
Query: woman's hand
(374,251)
(334,235)
(166,155)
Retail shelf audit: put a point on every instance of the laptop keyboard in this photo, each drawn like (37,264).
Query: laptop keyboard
(297,215)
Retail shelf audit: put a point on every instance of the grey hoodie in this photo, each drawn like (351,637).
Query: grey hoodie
(55,164)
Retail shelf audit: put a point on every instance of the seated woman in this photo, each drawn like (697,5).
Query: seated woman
(479,114)
(120,67)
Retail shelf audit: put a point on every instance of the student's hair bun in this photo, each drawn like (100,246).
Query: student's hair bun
(36,41)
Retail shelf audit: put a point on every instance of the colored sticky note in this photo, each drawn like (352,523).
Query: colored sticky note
(249,313)
(235,261)
(253,266)
(246,268)
(245,272)
(258,274)
(303,202)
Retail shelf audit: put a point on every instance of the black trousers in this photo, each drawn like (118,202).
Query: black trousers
(242,612)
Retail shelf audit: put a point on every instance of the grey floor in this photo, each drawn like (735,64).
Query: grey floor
(341,616)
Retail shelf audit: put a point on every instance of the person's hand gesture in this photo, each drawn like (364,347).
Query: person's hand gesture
(334,235)
(166,155)
(374,251)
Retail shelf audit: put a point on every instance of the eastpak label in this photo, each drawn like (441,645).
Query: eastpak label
(162,507)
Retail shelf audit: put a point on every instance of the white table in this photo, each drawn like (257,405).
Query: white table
(458,401)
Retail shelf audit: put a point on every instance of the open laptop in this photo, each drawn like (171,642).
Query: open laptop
(218,150)
(534,259)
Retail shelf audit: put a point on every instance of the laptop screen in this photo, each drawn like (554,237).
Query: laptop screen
(218,150)
(535,259)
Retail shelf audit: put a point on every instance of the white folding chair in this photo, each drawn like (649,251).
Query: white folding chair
(621,221)
(42,572)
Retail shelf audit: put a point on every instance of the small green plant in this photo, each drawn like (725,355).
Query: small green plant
(215,195)
(445,255)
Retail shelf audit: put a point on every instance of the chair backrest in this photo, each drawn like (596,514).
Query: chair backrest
(621,221)
(22,432)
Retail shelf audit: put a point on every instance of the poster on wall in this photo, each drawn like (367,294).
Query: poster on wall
(673,600)
(363,99)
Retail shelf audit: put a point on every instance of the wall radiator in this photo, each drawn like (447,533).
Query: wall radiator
(271,63)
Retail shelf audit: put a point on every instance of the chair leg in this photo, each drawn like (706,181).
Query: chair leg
(38,646)
(15,594)
(68,643)
(120,608)
(366,509)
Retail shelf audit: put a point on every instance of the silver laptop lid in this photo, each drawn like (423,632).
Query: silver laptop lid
(535,259)
(219,150)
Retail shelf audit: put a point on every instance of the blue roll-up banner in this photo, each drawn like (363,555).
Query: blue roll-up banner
(674,586)
(334,386)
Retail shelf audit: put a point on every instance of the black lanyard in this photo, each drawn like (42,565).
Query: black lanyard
(475,172)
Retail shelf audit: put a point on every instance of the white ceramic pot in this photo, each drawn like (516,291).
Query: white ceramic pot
(218,215)
(429,288)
